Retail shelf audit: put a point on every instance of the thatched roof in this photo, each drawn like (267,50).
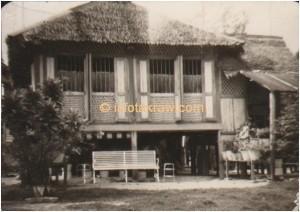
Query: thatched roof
(120,22)
(174,32)
(261,52)
(268,53)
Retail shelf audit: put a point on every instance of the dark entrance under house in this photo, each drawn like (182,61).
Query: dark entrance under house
(193,153)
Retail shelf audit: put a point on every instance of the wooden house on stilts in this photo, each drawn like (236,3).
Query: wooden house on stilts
(111,55)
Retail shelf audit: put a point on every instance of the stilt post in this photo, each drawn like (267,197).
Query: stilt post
(94,176)
(83,173)
(272,104)
(220,150)
(134,138)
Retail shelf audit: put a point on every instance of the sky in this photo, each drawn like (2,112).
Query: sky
(264,18)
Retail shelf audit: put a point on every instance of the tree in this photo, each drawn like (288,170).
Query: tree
(40,128)
(234,22)
(287,129)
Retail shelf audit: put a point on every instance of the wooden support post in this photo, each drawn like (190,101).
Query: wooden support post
(133,148)
(252,174)
(86,87)
(94,176)
(157,170)
(83,173)
(272,104)
(178,85)
(220,150)
(65,170)
(33,81)
(134,140)
(89,112)
(41,69)
(126,176)
(50,175)
(193,156)
(226,170)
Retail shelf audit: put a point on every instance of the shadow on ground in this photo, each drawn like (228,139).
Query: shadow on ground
(275,196)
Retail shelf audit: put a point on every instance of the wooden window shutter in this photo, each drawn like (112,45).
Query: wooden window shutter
(36,71)
(178,72)
(144,89)
(87,86)
(121,73)
(209,87)
(50,67)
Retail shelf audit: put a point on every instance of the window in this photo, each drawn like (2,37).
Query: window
(70,69)
(192,76)
(162,76)
(103,74)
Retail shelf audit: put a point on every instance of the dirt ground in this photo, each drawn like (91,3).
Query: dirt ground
(274,196)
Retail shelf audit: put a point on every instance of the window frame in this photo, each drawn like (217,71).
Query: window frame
(58,74)
(200,59)
(108,93)
(161,58)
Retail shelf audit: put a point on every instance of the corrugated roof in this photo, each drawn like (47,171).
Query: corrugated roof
(274,81)
(121,22)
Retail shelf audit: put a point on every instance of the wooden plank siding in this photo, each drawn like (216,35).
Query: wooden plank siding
(131,85)
(233,103)
(233,113)
(227,115)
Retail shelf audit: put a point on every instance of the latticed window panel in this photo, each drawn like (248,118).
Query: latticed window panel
(75,103)
(234,86)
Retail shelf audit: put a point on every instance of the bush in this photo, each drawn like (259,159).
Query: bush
(40,128)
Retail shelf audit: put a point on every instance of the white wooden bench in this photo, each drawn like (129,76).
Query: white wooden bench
(125,160)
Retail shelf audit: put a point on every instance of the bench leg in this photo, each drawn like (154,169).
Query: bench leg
(126,176)
(94,176)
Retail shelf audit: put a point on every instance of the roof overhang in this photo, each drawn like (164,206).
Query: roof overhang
(270,80)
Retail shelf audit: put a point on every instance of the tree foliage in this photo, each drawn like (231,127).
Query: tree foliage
(234,22)
(40,128)
(287,127)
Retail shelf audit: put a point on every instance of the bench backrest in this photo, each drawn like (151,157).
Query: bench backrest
(118,160)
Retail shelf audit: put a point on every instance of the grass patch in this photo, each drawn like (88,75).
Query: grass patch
(275,196)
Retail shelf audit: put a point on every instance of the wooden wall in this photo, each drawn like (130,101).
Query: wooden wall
(233,103)
(132,85)
(192,99)
(74,102)
(233,113)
